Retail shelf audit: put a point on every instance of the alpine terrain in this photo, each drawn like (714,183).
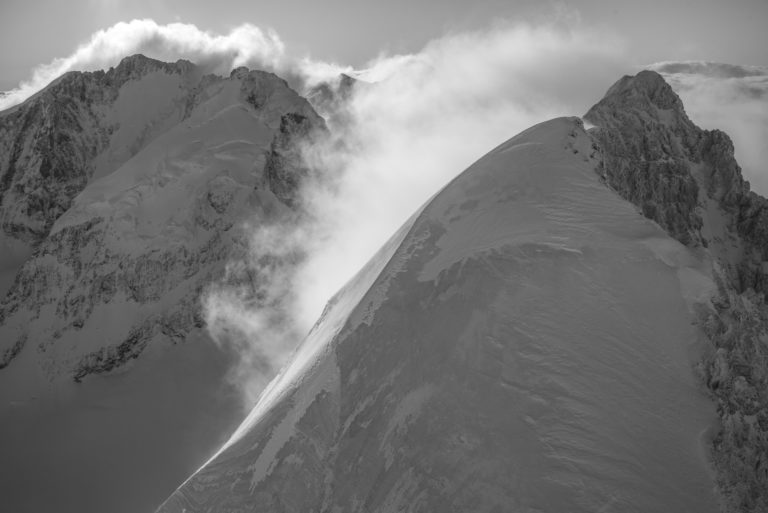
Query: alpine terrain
(575,323)
(123,196)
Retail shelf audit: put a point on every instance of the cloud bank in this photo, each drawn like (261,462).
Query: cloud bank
(733,99)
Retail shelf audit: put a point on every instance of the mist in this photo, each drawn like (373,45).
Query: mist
(248,313)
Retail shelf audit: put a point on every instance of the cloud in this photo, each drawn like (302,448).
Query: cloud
(250,311)
(245,45)
(731,98)
(427,117)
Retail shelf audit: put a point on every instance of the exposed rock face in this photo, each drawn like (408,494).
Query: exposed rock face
(687,180)
(648,140)
(285,168)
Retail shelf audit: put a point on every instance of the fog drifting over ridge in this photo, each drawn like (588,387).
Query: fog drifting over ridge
(416,122)
(421,119)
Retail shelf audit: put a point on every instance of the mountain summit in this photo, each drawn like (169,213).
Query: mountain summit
(529,342)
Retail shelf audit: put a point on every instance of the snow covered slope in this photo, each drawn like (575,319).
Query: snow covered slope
(529,345)
(104,356)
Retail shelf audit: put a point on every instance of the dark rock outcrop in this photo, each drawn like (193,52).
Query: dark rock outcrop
(643,131)
(285,169)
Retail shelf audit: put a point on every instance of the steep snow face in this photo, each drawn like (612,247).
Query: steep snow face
(527,347)
(101,331)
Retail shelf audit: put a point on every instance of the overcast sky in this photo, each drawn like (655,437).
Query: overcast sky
(34,32)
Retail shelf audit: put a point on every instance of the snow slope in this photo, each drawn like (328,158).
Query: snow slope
(528,346)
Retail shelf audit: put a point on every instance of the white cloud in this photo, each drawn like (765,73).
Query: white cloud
(245,45)
(429,116)
(250,312)
(733,99)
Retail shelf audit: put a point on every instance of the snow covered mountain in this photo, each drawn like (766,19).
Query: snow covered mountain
(576,323)
(123,195)
(559,329)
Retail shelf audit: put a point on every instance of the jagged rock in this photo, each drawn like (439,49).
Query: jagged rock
(285,169)
(646,139)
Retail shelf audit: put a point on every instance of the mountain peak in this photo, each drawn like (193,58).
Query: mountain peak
(646,91)
(138,65)
(239,72)
(136,62)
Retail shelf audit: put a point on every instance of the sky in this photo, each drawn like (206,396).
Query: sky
(352,32)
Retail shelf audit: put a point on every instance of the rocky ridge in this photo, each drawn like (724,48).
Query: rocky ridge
(688,181)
